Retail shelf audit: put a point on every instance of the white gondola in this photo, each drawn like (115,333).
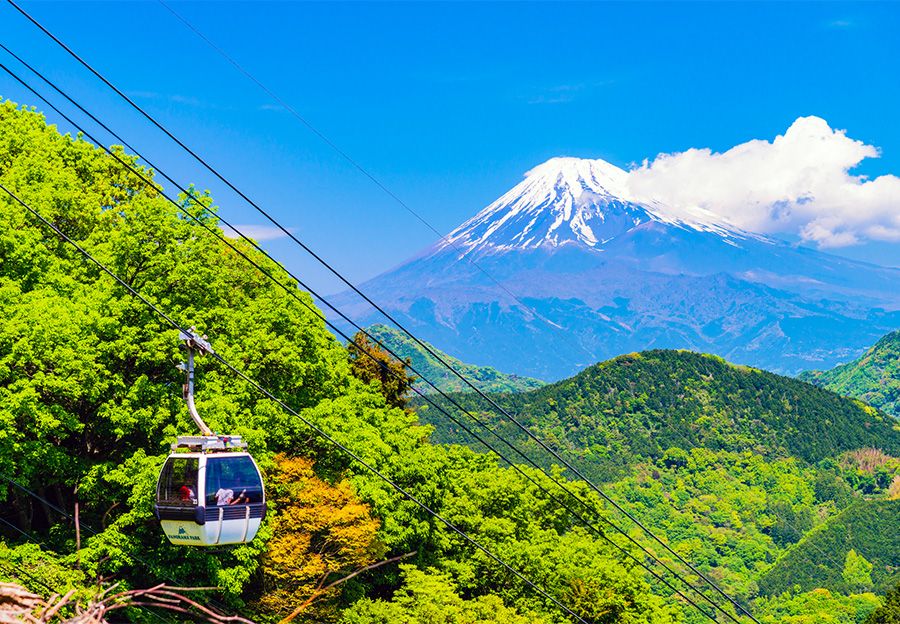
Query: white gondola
(210,491)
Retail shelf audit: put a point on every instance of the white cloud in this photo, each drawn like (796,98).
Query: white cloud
(799,183)
(259,233)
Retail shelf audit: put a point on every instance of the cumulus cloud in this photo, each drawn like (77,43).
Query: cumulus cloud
(799,183)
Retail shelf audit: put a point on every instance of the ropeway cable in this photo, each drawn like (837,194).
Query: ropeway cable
(424,396)
(356,165)
(529,460)
(291,292)
(387,315)
(287,408)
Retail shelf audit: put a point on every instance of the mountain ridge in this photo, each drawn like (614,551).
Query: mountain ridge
(639,405)
(485,378)
(567,269)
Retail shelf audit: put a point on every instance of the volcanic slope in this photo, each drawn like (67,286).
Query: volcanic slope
(585,273)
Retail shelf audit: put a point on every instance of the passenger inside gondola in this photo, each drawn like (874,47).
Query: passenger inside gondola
(178,484)
(227,497)
(232,481)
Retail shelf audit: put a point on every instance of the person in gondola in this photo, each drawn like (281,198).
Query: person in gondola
(186,494)
(226,497)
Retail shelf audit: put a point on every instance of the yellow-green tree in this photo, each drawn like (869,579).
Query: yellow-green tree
(857,572)
(320,534)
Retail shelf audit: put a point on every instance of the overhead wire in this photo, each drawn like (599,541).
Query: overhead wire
(288,409)
(387,315)
(365,172)
(291,291)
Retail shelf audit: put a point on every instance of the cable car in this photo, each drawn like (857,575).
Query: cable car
(210,490)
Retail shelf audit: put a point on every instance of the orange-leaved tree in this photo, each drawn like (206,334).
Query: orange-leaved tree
(321,534)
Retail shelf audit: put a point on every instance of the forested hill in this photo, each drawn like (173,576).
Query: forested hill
(873,378)
(484,377)
(639,405)
(870,528)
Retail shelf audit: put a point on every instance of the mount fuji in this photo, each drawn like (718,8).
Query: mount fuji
(568,268)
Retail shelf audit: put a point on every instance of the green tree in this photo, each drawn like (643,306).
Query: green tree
(372,364)
(889,612)
(857,571)
(431,597)
(818,606)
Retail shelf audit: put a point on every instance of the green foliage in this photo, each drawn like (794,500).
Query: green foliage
(857,572)
(873,378)
(818,606)
(730,514)
(89,393)
(485,378)
(867,528)
(637,406)
(889,612)
(44,571)
(431,597)
(90,399)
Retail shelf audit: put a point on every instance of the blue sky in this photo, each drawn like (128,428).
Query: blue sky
(449,104)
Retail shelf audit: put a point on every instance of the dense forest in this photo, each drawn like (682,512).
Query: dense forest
(873,378)
(735,474)
(642,404)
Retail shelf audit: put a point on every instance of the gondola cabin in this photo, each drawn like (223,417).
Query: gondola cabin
(211,493)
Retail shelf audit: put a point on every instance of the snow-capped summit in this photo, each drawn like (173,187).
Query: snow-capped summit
(570,267)
(568,201)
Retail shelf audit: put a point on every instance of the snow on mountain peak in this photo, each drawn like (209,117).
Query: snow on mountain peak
(568,201)
(579,175)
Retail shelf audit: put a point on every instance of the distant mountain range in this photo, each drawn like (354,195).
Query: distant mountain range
(484,378)
(874,377)
(566,270)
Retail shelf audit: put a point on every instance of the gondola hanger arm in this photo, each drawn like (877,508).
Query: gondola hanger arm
(193,342)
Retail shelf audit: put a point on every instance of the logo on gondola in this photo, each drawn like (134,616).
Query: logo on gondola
(183,535)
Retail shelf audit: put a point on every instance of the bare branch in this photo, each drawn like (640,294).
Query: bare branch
(322,590)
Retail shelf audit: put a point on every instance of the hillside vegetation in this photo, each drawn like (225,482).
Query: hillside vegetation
(484,378)
(639,405)
(873,378)
(868,529)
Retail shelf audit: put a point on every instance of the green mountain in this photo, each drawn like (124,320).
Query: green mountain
(870,529)
(873,378)
(639,405)
(486,378)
